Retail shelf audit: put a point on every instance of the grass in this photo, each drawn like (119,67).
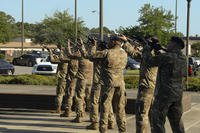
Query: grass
(132,72)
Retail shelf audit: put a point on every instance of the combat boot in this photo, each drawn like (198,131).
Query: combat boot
(77,119)
(111,125)
(57,111)
(67,113)
(93,126)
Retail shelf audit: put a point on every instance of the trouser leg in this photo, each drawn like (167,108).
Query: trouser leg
(174,115)
(69,94)
(159,113)
(142,110)
(119,104)
(80,95)
(95,95)
(106,99)
(60,91)
(88,97)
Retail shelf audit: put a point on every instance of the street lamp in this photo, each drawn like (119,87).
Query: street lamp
(22,29)
(176,16)
(188,29)
(101,20)
(75,20)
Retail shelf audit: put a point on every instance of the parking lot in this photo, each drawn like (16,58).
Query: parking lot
(22,70)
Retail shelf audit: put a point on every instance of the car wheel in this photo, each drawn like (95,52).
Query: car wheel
(9,72)
(30,64)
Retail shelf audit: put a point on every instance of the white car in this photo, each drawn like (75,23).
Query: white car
(45,68)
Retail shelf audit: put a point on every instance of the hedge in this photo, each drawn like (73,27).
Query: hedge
(130,80)
(28,79)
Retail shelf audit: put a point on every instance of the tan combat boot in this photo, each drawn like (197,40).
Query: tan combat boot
(67,113)
(93,126)
(57,111)
(77,120)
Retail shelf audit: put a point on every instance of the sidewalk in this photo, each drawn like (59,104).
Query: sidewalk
(36,121)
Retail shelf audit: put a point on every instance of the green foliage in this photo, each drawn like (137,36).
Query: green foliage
(7,27)
(152,22)
(29,29)
(193,84)
(28,79)
(196,49)
(57,29)
(131,81)
(105,30)
(2,56)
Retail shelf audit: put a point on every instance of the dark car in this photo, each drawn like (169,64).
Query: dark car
(27,60)
(6,67)
(192,67)
(132,64)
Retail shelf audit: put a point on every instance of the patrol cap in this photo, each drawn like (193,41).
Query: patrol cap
(178,41)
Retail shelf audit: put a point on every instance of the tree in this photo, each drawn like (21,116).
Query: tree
(153,22)
(106,30)
(7,27)
(57,29)
(29,29)
(196,49)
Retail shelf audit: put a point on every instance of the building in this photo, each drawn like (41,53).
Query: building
(13,49)
(191,41)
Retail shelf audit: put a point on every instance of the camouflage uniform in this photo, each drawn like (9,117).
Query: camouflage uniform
(70,86)
(85,70)
(61,74)
(95,99)
(172,68)
(147,81)
(115,61)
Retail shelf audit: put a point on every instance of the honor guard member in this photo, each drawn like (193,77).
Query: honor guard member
(172,70)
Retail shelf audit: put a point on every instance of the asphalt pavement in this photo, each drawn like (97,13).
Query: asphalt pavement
(22,70)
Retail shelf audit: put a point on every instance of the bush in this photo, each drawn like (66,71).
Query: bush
(28,79)
(2,56)
(130,80)
(193,84)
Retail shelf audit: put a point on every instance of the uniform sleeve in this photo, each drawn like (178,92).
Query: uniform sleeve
(100,54)
(131,51)
(54,58)
(64,56)
(154,60)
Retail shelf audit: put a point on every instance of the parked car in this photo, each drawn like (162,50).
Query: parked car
(27,60)
(45,68)
(132,64)
(192,66)
(6,67)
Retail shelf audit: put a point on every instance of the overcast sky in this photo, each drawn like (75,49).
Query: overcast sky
(116,12)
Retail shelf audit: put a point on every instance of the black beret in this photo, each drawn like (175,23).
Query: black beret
(178,41)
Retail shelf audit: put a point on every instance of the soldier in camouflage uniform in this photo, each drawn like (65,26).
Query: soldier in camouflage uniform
(172,68)
(96,92)
(70,87)
(147,81)
(115,60)
(61,75)
(85,69)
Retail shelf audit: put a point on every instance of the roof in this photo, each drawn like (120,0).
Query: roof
(19,45)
